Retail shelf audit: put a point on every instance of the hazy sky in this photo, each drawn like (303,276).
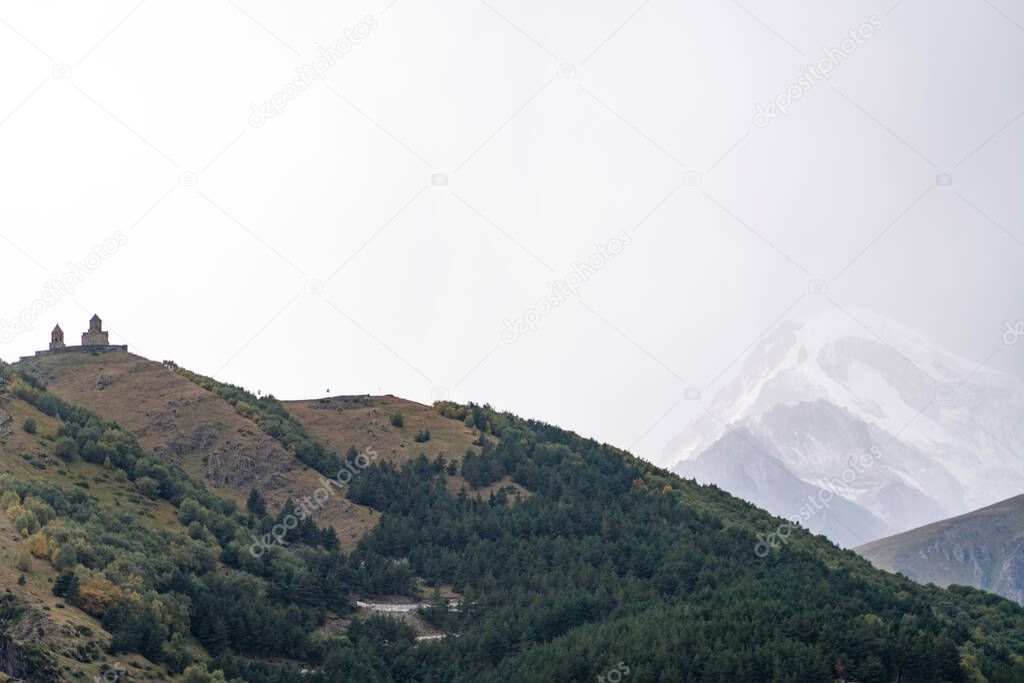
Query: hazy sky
(445,162)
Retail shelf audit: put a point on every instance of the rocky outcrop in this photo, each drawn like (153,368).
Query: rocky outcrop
(13,660)
(22,634)
(984,549)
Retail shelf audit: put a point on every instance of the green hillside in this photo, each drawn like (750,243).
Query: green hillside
(588,563)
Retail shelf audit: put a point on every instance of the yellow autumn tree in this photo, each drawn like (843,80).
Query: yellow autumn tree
(25,521)
(96,595)
(38,545)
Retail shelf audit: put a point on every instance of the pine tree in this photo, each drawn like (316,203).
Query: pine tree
(256,503)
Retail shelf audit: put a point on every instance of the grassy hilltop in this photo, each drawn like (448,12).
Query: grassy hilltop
(133,492)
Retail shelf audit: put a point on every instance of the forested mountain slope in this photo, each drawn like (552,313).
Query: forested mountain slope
(589,561)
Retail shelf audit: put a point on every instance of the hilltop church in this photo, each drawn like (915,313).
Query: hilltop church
(95,338)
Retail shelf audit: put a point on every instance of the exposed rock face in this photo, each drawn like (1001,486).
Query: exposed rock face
(22,631)
(984,549)
(1009,580)
(13,660)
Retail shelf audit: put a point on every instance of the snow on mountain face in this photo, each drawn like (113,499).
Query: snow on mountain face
(758,475)
(819,392)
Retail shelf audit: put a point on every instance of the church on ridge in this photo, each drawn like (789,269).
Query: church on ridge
(93,339)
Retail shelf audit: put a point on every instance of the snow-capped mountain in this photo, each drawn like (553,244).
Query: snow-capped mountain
(866,408)
(751,469)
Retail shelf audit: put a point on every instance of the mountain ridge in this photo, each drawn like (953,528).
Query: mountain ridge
(589,552)
(983,548)
(825,389)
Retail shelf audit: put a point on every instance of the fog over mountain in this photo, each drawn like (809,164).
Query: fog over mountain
(940,435)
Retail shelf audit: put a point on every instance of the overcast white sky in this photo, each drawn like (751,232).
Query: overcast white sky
(319,250)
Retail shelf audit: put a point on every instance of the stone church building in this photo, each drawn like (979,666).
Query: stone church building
(93,339)
(95,336)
